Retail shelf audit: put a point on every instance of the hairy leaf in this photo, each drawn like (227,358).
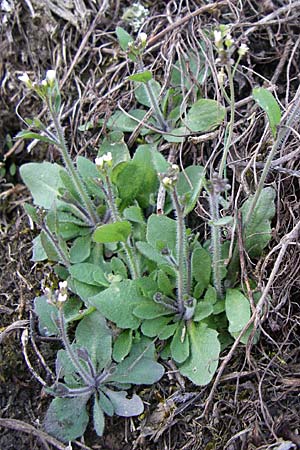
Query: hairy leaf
(204,354)
(238,310)
(267,102)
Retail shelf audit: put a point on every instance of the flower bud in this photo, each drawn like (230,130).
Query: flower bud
(25,79)
(51,77)
(243,50)
(143,39)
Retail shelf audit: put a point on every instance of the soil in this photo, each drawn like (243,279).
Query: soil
(256,404)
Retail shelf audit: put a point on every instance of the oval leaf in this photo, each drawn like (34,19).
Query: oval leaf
(112,232)
(205,115)
(237,308)
(267,102)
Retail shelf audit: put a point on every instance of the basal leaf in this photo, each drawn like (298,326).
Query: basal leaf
(258,231)
(38,252)
(81,249)
(180,347)
(67,418)
(47,315)
(44,181)
(98,417)
(203,309)
(124,406)
(112,232)
(267,102)
(157,238)
(154,327)
(205,115)
(93,334)
(115,144)
(204,354)
(118,302)
(150,310)
(201,266)
(238,310)
(122,345)
(126,122)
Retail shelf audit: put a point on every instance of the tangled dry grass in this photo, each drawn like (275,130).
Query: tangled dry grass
(255,402)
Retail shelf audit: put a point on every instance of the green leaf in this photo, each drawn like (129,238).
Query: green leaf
(205,115)
(118,267)
(155,237)
(154,327)
(201,266)
(124,406)
(44,182)
(164,284)
(81,249)
(30,135)
(32,212)
(141,95)
(115,144)
(93,334)
(98,417)
(203,309)
(47,315)
(151,253)
(134,214)
(180,348)
(128,177)
(124,38)
(112,232)
(122,345)
(139,367)
(258,231)
(150,310)
(177,135)
(191,69)
(106,404)
(142,77)
(123,122)
(50,249)
(88,273)
(86,168)
(267,102)
(67,418)
(143,158)
(118,302)
(204,354)
(238,310)
(190,183)
(38,252)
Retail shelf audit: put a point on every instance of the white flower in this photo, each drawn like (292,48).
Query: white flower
(243,50)
(63,285)
(228,40)
(218,38)
(25,79)
(44,83)
(167,181)
(143,39)
(51,77)
(107,157)
(62,297)
(100,161)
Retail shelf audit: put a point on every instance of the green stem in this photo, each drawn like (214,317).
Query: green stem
(229,128)
(216,243)
(60,252)
(72,170)
(86,377)
(181,250)
(154,104)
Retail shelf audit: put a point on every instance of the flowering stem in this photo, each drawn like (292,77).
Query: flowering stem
(86,377)
(72,170)
(215,242)
(181,251)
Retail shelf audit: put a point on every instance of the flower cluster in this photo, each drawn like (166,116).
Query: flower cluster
(59,296)
(102,162)
(225,46)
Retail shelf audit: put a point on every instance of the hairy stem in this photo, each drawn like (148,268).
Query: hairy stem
(72,170)
(181,249)
(229,129)
(216,243)
(60,251)
(84,374)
